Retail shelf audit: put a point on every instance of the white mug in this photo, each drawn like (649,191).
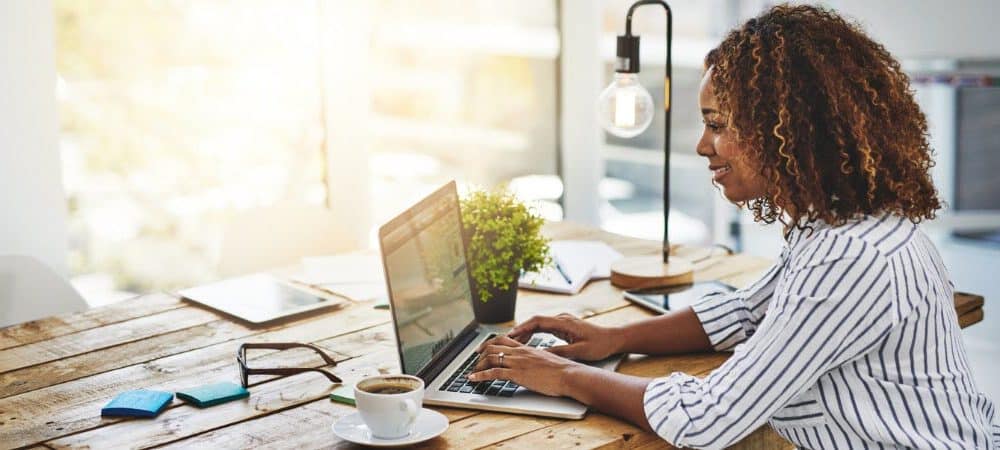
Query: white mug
(389,415)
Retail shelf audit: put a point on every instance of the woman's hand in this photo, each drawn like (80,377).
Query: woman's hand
(586,341)
(536,369)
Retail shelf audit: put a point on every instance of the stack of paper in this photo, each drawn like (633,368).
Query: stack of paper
(574,263)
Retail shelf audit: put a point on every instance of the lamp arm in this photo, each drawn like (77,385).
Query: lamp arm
(631,9)
(667,91)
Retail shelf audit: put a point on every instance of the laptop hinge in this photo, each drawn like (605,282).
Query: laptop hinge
(454,348)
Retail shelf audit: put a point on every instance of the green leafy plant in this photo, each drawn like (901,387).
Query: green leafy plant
(504,238)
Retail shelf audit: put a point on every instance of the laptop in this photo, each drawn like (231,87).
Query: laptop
(423,252)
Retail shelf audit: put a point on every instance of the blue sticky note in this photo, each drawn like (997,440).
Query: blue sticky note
(140,403)
(213,394)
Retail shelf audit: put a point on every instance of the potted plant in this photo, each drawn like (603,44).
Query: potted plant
(503,239)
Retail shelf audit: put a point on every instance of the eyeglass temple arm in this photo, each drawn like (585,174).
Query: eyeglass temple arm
(293,371)
(288,345)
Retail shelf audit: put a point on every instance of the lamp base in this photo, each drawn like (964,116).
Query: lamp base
(640,272)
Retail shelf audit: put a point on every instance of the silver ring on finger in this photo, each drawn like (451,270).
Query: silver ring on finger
(501,359)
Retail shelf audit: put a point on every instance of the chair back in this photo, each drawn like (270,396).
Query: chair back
(30,290)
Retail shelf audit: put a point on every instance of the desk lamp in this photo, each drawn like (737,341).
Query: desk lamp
(625,109)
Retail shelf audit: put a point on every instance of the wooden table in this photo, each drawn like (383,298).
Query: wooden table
(57,373)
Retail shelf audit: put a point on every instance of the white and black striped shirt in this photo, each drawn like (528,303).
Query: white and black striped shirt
(849,341)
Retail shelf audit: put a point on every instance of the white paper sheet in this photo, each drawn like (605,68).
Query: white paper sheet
(581,261)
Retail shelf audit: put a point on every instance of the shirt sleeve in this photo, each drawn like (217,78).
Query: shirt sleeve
(729,318)
(832,309)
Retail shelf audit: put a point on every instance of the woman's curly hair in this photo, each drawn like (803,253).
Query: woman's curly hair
(827,117)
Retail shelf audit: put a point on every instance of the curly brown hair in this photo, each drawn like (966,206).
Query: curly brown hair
(826,116)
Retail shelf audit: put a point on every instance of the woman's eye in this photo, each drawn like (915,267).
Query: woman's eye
(713,126)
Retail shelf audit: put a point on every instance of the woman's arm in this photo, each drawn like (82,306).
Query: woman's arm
(718,321)
(675,332)
(620,395)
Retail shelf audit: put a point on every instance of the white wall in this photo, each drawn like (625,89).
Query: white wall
(916,28)
(32,201)
(929,28)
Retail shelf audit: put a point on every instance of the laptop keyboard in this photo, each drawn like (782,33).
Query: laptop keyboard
(459,381)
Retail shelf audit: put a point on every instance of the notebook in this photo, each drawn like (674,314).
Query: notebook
(574,264)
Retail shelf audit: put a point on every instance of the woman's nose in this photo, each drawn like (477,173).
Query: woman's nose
(704,148)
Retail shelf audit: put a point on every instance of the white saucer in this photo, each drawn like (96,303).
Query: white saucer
(429,425)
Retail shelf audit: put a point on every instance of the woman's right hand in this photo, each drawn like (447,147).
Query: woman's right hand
(586,341)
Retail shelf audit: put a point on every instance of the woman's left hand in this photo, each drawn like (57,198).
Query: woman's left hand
(536,369)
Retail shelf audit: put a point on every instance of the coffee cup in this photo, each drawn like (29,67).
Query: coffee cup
(389,404)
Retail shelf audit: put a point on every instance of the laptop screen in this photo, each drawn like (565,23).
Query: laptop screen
(425,268)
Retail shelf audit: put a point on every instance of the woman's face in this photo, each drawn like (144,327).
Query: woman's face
(739,182)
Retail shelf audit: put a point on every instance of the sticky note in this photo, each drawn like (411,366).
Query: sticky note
(140,403)
(343,394)
(213,394)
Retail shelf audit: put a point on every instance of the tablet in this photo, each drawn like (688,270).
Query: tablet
(671,298)
(257,298)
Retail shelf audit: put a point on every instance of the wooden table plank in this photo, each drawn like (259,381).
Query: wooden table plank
(599,431)
(50,327)
(103,337)
(137,352)
(312,429)
(605,432)
(487,428)
(965,302)
(74,406)
(275,395)
(765,438)
(88,364)
(970,318)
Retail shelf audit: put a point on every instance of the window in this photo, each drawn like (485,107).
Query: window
(463,90)
(176,114)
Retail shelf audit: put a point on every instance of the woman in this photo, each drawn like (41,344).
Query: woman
(850,340)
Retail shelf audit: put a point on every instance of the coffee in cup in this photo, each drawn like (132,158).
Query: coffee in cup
(389,404)
(388,388)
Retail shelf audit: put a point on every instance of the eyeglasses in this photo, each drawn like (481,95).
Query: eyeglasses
(241,360)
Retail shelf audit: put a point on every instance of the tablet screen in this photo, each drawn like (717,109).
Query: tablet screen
(255,298)
(675,297)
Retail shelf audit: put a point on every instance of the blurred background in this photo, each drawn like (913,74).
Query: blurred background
(161,136)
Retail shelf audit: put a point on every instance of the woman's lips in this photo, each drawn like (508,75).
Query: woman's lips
(718,172)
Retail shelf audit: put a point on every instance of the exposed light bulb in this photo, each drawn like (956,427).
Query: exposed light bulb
(625,108)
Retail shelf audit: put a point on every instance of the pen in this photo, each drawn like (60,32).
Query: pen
(562,272)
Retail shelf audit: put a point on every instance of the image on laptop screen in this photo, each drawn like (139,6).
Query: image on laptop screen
(428,281)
